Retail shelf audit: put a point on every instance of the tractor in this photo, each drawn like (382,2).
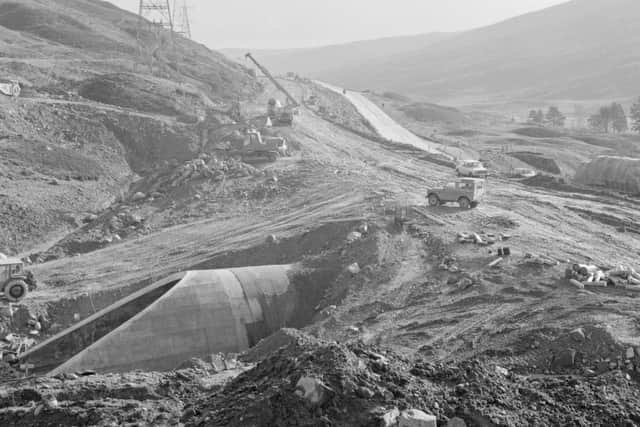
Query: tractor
(15,282)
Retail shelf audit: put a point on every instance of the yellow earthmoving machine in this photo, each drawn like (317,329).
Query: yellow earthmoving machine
(252,147)
(279,115)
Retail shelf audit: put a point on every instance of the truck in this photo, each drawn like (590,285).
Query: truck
(467,192)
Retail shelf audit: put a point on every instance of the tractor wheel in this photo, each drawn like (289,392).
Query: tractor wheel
(434,200)
(464,203)
(16,290)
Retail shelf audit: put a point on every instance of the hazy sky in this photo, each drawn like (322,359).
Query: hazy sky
(300,23)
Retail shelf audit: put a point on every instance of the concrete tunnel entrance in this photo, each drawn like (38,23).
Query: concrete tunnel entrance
(192,314)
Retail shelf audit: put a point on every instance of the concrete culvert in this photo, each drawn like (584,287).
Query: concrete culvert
(192,314)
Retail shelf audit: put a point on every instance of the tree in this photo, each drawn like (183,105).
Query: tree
(618,118)
(596,122)
(610,117)
(555,117)
(536,117)
(634,113)
(602,119)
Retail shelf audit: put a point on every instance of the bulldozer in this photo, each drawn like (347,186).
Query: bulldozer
(251,147)
(15,282)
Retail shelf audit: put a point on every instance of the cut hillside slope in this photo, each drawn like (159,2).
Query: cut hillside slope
(563,52)
(97,108)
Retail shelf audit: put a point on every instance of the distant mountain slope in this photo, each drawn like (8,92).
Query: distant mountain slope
(316,61)
(583,49)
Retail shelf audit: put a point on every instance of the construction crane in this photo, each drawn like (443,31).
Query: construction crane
(290,99)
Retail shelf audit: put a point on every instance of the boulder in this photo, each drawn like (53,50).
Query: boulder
(353,237)
(390,418)
(577,335)
(271,239)
(416,418)
(354,268)
(502,371)
(312,390)
(139,196)
(630,353)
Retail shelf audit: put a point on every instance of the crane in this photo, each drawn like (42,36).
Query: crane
(290,99)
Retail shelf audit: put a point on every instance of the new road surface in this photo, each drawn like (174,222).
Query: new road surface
(383,124)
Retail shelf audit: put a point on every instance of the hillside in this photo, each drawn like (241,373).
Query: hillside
(580,50)
(97,108)
(320,60)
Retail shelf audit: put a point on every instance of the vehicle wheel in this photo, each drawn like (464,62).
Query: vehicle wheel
(464,203)
(16,290)
(433,200)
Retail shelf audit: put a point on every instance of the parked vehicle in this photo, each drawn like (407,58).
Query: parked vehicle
(472,169)
(467,192)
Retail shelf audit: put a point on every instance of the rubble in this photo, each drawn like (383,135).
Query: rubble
(481,239)
(581,275)
(416,418)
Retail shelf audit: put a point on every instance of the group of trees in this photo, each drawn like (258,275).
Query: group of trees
(610,118)
(553,117)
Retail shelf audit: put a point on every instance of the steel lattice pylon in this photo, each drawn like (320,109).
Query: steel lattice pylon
(180,19)
(157,12)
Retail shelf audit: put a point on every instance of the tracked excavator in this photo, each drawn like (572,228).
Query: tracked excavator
(280,115)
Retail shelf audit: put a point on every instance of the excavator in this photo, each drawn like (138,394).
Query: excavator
(279,115)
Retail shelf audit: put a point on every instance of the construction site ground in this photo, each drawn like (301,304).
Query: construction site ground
(94,193)
(516,316)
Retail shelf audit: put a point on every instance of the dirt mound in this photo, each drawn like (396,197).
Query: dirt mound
(356,385)
(538,132)
(538,161)
(615,173)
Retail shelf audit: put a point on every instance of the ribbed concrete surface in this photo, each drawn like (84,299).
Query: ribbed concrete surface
(205,312)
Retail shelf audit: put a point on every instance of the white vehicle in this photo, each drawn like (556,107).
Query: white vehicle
(472,169)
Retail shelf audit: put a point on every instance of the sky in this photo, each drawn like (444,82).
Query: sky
(262,24)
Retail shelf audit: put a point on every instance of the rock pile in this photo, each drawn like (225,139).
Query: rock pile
(204,167)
